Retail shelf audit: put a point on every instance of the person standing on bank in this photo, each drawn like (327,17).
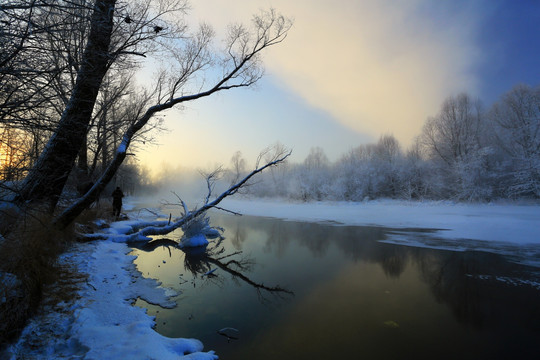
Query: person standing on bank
(117,196)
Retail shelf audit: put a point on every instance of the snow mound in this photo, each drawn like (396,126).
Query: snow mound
(193,241)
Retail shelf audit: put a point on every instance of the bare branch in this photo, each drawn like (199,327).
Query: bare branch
(142,234)
(227,210)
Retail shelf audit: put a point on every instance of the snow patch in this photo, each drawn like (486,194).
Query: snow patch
(193,241)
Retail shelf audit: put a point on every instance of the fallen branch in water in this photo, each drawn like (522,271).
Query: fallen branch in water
(279,156)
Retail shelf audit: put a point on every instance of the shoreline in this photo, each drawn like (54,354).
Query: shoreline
(492,222)
(103,322)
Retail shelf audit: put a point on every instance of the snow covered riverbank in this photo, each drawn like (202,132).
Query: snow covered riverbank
(102,323)
(517,224)
(505,228)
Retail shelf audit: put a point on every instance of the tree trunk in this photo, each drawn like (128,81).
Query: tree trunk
(82,162)
(69,214)
(47,178)
(104,147)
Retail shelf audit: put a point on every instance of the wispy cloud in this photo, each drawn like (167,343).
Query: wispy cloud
(376,66)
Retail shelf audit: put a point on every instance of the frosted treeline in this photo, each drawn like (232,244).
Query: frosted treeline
(464,152)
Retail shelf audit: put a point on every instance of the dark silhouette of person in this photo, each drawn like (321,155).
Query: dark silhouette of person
(117,196)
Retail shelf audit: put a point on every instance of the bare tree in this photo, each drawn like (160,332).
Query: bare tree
(65,28)
(118,33)
(47,178)
(454,132)
(14,153)
(516,120)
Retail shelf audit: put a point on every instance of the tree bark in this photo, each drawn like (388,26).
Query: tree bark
(47,178)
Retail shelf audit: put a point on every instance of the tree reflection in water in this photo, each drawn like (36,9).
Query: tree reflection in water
(204,260)
(468,282)
(347,282)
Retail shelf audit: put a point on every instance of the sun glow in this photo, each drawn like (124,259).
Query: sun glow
(13,156)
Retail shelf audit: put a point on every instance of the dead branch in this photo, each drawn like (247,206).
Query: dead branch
(142,234)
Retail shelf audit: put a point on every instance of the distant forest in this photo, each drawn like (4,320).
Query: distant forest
(463,153)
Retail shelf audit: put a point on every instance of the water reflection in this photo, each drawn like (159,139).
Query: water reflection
(467,281)
(203,261)
(354,296)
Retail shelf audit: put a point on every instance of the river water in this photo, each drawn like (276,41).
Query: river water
(275,289)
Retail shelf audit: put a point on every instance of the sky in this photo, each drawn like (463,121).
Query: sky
(351,71)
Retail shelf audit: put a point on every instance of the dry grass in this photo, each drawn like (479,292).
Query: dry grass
(86,222)
(29,252)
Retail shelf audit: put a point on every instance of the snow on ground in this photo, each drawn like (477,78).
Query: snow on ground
(109,325)
(508,229)
(102,323)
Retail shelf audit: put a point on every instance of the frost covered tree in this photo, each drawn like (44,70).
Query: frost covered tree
(313,176)
(387,162)
(415,174)
(238,167)
(453,140)
(369,171)
(349,183)
(355,176)
(454,133)
(277,181)
(122,32)
(516,124)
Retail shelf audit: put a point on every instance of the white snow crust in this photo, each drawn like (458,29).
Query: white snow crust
(194,241)
(110,326)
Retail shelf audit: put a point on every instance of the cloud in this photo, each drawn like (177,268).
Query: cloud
(375,66)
